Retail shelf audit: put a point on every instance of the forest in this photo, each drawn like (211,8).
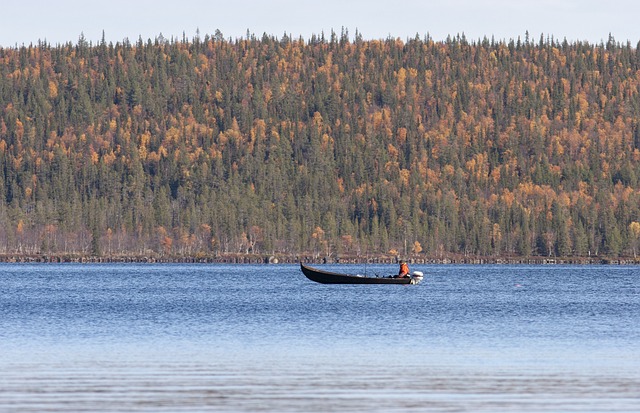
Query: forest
(329,146)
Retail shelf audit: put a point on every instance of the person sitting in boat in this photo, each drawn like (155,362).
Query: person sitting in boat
(404,270)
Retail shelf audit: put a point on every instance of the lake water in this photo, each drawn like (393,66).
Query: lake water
(239,338)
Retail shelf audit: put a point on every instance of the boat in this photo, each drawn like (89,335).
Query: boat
(326,277)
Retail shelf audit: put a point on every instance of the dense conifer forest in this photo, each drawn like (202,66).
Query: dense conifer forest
(328,146)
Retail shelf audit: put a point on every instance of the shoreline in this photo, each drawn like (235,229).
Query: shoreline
(311,259)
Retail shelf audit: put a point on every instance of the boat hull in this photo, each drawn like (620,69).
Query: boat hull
(326,277)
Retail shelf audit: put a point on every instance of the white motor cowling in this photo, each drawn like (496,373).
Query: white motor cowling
(416,277)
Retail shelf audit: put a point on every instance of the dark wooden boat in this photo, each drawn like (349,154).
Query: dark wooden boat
(326,277)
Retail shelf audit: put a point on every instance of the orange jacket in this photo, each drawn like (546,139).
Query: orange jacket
(404,269)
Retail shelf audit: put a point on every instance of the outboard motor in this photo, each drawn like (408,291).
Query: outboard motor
(416,277)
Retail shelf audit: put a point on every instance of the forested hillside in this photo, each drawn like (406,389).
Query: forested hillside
(327,146)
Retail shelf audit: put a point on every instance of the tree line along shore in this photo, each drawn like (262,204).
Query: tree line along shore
(280,259)
(330,146)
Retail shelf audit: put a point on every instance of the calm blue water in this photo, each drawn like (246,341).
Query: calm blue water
(264,338)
